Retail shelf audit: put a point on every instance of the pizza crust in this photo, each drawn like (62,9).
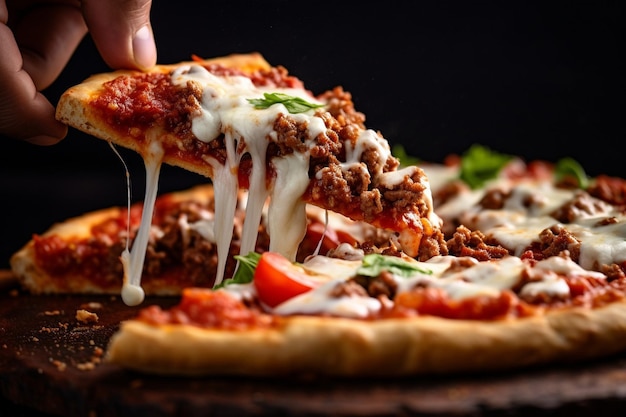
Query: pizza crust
(390,347)
(74,110)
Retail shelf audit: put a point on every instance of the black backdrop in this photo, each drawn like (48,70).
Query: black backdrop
(539,79)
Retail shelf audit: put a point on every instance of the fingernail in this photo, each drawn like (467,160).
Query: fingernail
(144,49)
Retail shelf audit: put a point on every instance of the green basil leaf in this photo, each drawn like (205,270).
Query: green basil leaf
(568,167)
(374,264)
(405,159)
(291,103)
(245,271)
(480,164)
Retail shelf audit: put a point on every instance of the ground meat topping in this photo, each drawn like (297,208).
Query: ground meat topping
(138,102)
(582,205)
(341,107)
(556,240)
(609,189)
(494,199)
(474,244)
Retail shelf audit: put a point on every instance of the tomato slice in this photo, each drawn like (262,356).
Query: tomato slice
(330,237)
(277,279)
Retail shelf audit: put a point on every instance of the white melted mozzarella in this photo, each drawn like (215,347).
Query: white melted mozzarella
(318,301)
(601,244)
(133,260)
(472,279)
(225,110)
(527,211)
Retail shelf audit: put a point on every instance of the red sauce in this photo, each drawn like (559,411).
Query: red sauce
(133,103)
(206,308)
(66,258)
(141,101)
(435,302)
(96,256)
(219,310)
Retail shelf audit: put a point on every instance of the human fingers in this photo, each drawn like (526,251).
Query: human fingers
(122,32)
(24,112)
(47,35)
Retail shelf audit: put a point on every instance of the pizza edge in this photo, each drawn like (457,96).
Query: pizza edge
(391,347)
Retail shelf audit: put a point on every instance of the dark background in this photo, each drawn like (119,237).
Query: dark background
(542,80)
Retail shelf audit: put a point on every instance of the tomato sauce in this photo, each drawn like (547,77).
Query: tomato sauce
(91,258)
(435,302)
(211,309)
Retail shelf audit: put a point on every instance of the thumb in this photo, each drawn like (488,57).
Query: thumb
(122,32)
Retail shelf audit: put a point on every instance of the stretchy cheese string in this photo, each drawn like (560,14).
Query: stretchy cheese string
(128,192)
(125,255)
(257,194)
(133,260)
(225,192)
(319,244)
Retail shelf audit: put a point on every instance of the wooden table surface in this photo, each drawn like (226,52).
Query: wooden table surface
(50,365)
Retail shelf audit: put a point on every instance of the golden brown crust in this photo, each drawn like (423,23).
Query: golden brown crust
(391,347)
(35,279)
(74,110)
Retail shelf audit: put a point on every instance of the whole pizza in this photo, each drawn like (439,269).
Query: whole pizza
(316,248)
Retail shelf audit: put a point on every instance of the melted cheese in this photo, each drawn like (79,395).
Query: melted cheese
(225,110)
(527,211)
(132,293)
(473,279)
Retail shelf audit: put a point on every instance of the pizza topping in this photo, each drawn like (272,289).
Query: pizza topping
(567,169)
(435,302)
(133,261)
(480,164)
(289,149)
(181,250)
(374,264)
(538,212)
(276,279)
(224,109)
(248,125)
(135,103)
(291,103)
(378,286)
(213,309)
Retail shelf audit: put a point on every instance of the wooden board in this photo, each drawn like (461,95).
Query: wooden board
(50,364)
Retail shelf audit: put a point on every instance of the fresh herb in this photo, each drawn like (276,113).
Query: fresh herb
(568,168)
(293,104)
(245,270)
(405,159)
(480,164)
(374,264)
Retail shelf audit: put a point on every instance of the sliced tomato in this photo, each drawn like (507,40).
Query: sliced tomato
(277,279)
(332,238)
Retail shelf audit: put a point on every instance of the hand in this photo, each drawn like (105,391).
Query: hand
(37,39)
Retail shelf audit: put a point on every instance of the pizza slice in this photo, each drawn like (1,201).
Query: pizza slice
(248,125)
(81,255)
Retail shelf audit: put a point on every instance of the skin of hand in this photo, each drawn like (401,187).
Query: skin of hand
(37,39)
